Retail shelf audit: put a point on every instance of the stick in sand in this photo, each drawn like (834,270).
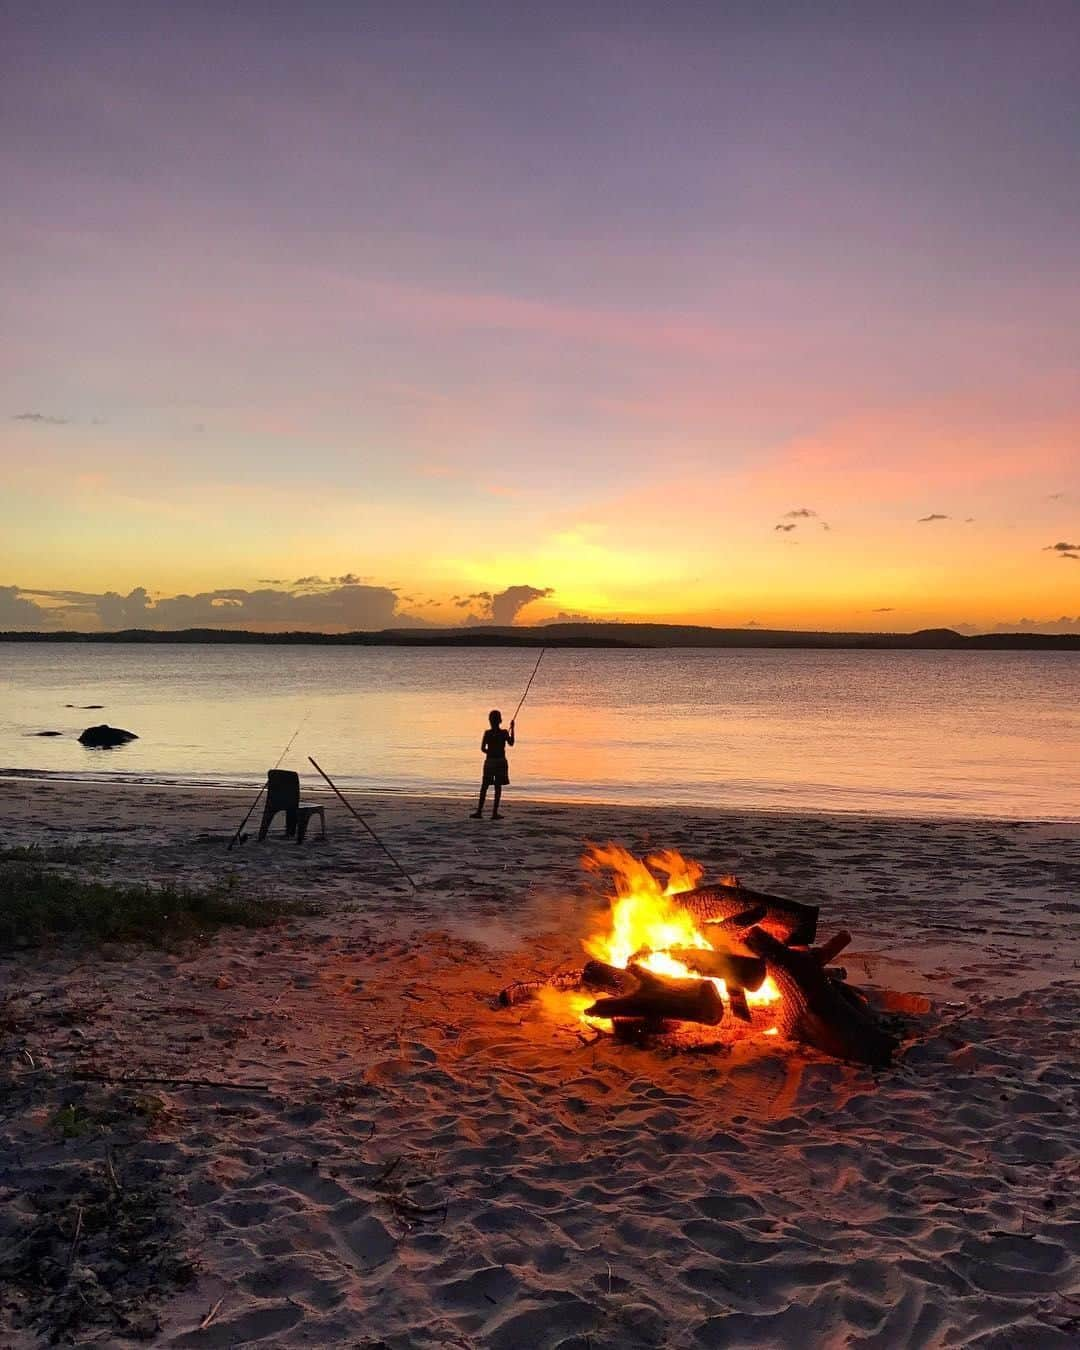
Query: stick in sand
(360,818)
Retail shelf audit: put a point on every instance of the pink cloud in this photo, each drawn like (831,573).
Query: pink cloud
(638,329)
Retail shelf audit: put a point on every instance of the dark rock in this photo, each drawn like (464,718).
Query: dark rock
(46,733)
(105,737)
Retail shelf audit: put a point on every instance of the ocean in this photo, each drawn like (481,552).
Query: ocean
(981,734)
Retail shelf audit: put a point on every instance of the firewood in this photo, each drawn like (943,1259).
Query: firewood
(819,1011)
(828,951)
(659,998)
(744,919)
(788,920)
(599,975)
(746,972)
(739,1006)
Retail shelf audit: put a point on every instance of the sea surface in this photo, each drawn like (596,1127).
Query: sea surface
(905,733)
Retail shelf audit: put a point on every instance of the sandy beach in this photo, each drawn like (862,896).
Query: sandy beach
(366,1153)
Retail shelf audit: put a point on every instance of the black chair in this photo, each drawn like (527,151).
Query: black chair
(283,794)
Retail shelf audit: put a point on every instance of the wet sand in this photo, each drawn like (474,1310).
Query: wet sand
(392,1162)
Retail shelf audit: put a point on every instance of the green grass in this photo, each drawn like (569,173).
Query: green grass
(39,904)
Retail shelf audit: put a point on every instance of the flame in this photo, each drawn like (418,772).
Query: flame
(645,923)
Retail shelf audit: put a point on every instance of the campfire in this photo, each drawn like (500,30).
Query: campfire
(678,953)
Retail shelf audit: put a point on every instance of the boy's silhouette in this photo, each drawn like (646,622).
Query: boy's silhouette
(496,769)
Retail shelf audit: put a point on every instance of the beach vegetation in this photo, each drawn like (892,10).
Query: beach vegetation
(40,903)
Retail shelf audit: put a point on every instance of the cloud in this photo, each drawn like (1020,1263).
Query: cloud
(17,613)
(800,513)
(507,605)
(1066,624)
(340,607)
(499,607)
(926,520)
(124,611)
(564,617)
(268,609)
(884,609)
(1067,550)
(43,419)
(466,601)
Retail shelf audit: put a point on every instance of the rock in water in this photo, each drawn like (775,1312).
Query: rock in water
(105,737)
(47,733)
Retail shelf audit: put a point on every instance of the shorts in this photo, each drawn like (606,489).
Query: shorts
(496,772)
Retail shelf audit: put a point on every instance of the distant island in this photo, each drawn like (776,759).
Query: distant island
(628,635)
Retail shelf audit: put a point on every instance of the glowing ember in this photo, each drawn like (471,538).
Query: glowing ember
(645,923)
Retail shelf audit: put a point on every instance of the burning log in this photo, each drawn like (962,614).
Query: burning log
(599,975)
(739,1006)
(820,1011)
(742,972)
(787,920)
(828,951)
(745,919)
(659,998)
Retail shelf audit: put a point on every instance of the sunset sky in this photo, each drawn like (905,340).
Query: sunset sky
(343,315)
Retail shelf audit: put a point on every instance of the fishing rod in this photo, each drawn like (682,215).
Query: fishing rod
(532,677)
(240,828)
(348,807)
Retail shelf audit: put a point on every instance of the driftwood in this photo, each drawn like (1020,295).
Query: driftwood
(726,903)
(819,1011)
(744,972)
(659,998)
(522,990)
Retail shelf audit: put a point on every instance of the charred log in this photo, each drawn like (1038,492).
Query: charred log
(658,998)
(745,972)
(599,975)
(829,951)
(786,920)
(744,919)
(737,1001)
(819,1011)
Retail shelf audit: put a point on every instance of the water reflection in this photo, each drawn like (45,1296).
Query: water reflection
(910,732)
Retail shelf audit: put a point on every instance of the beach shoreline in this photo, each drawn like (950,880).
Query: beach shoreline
(376,1152)
(466,795)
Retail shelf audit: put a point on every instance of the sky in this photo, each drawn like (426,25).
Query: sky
(344,315)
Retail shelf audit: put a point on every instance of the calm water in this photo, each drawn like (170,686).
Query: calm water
(937,733)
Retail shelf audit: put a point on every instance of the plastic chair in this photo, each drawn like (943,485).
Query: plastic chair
(283,794)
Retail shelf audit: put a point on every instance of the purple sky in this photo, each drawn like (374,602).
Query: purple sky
(458,299)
